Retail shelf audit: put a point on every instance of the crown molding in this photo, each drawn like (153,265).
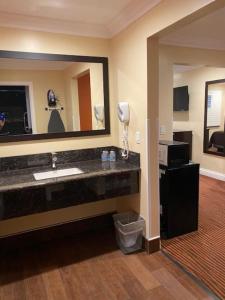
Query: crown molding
(129,14)
(52,25)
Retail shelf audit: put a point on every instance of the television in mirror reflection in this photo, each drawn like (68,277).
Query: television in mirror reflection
(78,89)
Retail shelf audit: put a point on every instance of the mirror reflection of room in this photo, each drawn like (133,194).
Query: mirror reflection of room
(189,103)
(182,106)
(76,87)
(215,103)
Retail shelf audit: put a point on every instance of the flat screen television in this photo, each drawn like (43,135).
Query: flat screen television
(181,98)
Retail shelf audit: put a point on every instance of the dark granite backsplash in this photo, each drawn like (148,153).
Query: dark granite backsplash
(24,161)
(40,160)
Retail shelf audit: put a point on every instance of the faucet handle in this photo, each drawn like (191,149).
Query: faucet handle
(54,159)
(54,156)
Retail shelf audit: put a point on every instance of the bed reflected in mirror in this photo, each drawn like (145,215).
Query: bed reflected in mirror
(214,134)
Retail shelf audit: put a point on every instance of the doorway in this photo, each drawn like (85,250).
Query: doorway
(200,252)
(15,107)
(84,99)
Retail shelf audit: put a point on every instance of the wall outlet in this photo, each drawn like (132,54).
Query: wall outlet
(138,137)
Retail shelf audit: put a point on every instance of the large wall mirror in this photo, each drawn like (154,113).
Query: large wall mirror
(46,96)
(214,130)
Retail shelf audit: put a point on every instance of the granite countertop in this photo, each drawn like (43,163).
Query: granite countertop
(23,178)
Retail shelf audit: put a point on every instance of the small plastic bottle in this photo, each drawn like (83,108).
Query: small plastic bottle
(105,155)
(112,155)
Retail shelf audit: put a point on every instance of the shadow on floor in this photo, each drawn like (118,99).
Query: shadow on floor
(27,262)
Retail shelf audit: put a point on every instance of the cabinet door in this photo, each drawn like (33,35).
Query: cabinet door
(164,190)
(180,200)
(183,202)
(21,203)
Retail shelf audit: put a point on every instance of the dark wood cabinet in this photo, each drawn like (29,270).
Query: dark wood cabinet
(179,194)
(184,136)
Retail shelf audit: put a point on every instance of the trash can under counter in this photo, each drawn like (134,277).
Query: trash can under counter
(129,228)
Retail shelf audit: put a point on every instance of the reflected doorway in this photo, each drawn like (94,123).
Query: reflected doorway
(15,110)
(84,98)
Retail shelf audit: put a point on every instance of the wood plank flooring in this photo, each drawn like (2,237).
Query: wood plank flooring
(203,252)
(92,267)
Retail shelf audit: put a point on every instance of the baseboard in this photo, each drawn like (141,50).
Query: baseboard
(212,174)
(56,232)
(152,245)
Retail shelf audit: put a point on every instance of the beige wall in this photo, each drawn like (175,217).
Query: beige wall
(165,96)
(41,81)
(195,80)
(128,82)
(215,60)
(31,41)
(129,56)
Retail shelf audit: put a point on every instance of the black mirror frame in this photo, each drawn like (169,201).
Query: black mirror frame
(62,57)
(206,133)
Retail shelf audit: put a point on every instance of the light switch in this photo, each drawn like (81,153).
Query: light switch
(162,129)
(138,137)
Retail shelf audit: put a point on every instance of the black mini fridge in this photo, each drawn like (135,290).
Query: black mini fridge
(179,199)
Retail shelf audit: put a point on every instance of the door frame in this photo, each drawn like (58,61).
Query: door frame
(31,109)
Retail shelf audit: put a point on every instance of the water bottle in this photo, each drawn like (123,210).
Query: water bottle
(112,155)
(105,155)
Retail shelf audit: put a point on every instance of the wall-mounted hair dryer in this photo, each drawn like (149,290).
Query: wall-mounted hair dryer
(123,112)
(99,115)
(99,112)
(124,117)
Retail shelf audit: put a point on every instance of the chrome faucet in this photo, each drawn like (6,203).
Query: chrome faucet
(54,160)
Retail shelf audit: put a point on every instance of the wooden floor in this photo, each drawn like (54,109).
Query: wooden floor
(93,268)
(202,253)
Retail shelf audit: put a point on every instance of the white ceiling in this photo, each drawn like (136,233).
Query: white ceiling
(207,32)
(100,18)
(185,68)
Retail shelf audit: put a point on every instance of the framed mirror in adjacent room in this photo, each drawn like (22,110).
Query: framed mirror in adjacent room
(214,130)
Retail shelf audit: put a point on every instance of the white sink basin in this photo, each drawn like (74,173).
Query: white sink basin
(57,173)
